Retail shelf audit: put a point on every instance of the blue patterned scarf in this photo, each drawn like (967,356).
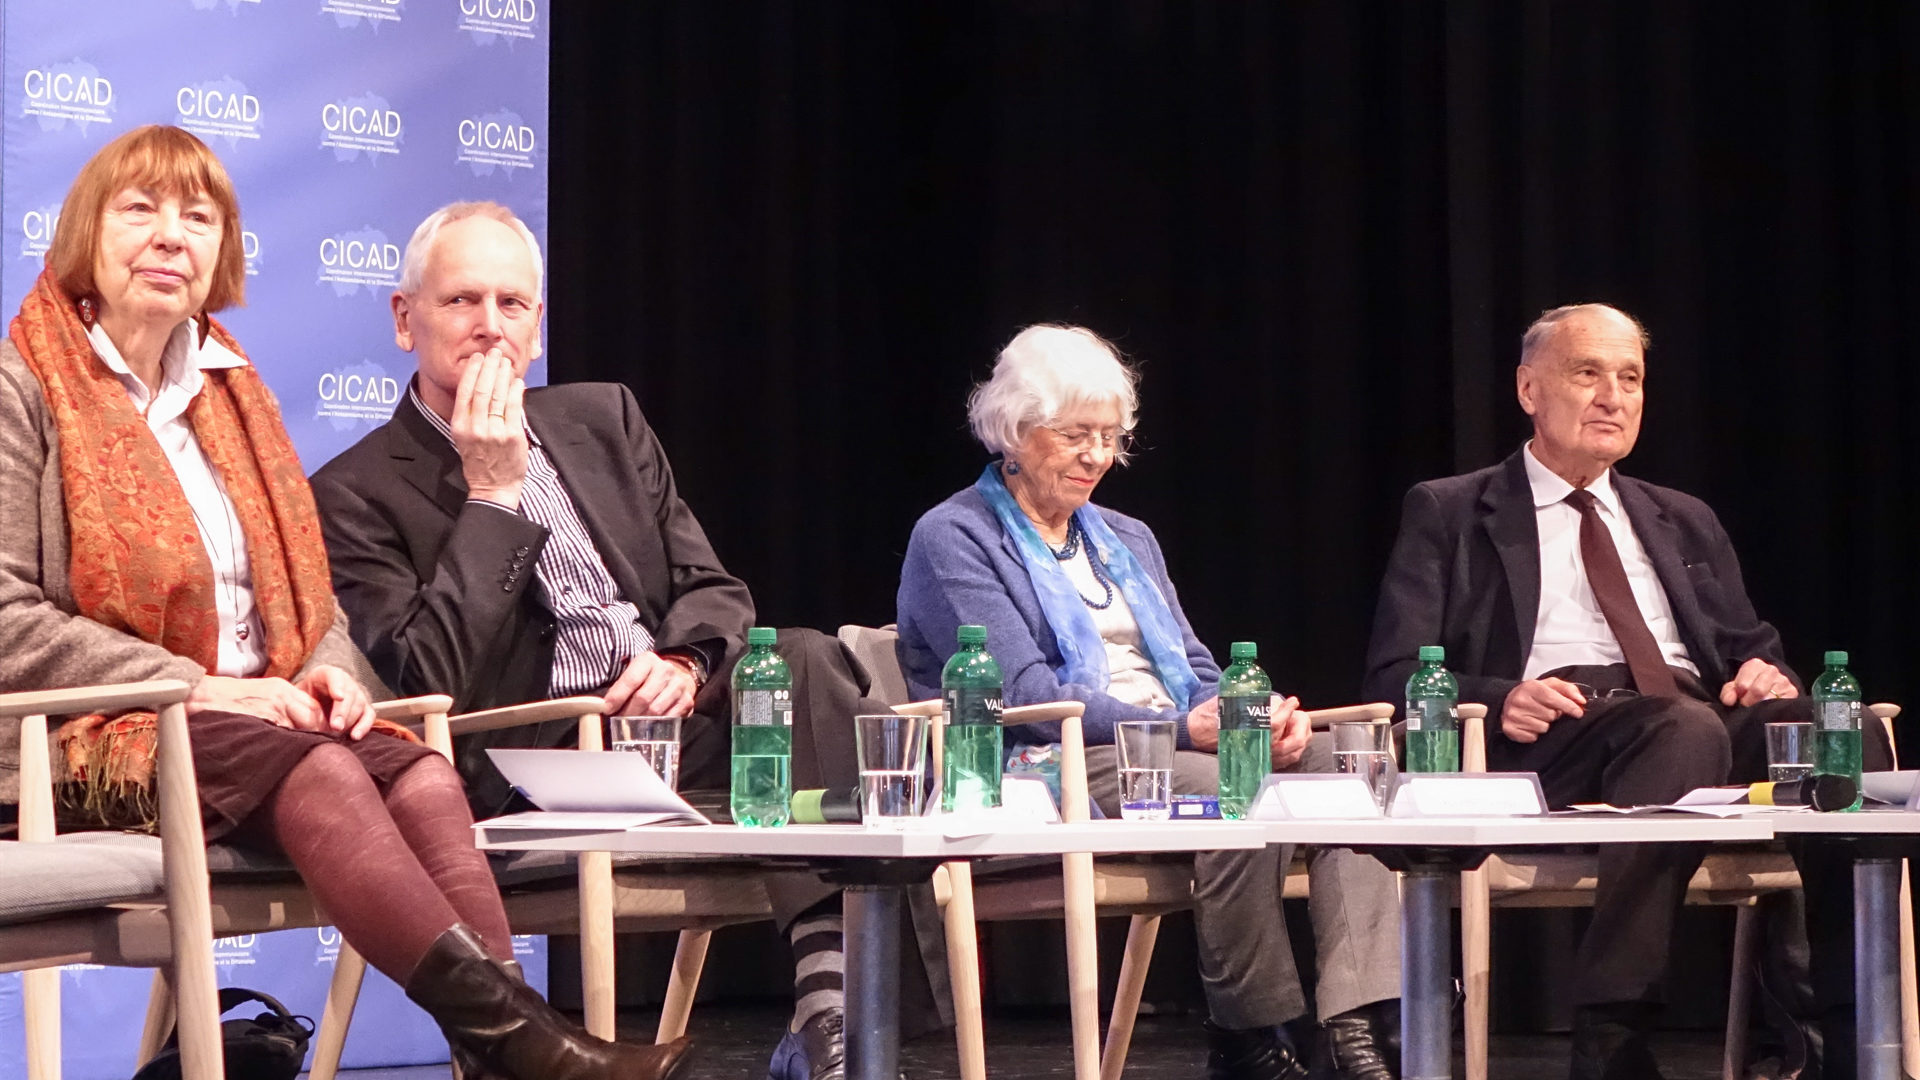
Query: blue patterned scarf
(1083,654)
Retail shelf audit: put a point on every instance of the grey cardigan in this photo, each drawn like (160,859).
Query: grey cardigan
(48,645)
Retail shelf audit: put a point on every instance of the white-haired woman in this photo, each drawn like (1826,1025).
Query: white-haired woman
(1077,606)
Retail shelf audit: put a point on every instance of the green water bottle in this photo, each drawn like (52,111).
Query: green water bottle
(762,733)
(1433,724)
(1246,729)
(1836,722)
(970,694)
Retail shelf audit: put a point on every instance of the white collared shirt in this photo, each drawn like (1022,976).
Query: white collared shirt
(1570,628)
(243,646)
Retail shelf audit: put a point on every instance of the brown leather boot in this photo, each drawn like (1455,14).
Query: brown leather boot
(508,1030)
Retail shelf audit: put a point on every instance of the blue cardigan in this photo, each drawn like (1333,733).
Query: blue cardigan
(962,567)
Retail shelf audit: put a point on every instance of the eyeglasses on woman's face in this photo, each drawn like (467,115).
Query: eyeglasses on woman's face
(1117,441)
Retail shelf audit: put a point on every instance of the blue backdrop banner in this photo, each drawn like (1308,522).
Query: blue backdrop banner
(343,123)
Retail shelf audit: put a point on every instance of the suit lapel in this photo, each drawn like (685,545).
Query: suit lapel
(413,438)
(594,493)
(1508,517)
(1661,538)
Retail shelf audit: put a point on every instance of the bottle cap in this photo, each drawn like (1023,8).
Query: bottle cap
(762,635)
(1244,650)
(973,635)
(1432,654)
(1836,658)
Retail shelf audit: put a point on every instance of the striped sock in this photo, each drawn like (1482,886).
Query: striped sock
(819,966)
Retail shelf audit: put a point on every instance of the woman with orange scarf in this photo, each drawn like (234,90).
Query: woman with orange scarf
(158,525)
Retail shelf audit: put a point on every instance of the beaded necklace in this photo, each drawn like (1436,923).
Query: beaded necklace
(1066,553)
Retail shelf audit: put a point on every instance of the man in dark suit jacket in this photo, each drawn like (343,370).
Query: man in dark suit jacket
(1603,622)
(505,545)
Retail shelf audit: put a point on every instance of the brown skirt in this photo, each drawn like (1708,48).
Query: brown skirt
(238,760)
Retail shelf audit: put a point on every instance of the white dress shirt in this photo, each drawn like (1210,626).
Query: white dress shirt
(1570,628)
(1130,673)
(243,646)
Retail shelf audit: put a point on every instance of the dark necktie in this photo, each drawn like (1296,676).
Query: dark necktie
(1609,581)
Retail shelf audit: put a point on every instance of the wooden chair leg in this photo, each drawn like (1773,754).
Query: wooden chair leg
(689,957)
(963,972)
(343,993)
(1142,932)
(1746,951)
(1476,947)
(40,998)
(159,1022)
(1909,990)
(189,905)
(596,942)
(1083,964)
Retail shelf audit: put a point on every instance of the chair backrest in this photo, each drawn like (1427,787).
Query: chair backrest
(873,647)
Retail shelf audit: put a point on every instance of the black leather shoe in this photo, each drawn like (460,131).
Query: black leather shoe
(1361,1044)
(507,1030)
(818,1051)
(1252,1054)
(1610,1042)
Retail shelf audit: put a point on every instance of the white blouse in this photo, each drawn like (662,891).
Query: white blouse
(243,647)
(1130,673)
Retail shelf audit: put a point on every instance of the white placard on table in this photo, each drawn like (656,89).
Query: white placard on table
(1313,797)
(1024,800)
(1901,788)
(568,781)
(1426,795)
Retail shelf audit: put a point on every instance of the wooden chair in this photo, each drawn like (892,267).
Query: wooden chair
(1143,889)
(1726,877)
(641,893)
(115,870)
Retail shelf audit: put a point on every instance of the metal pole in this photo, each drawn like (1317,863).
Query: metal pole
(1426,975)
(873,981)
(1876,966)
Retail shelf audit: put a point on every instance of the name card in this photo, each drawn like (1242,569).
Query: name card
(1900,788)
(1422,795)
(1024,801)
(1313,797)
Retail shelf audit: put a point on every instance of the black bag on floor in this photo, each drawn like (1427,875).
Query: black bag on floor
(271,1046)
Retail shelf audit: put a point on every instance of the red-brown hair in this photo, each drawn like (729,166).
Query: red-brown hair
(166,161)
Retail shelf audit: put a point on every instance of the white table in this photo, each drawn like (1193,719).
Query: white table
(876,867)
(1878,840)
(1430,853)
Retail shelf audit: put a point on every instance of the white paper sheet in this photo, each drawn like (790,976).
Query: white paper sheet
(570,781)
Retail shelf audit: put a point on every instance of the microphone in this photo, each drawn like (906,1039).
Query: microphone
(1822,791)
(825,806)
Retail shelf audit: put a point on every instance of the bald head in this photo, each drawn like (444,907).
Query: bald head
(1548,324)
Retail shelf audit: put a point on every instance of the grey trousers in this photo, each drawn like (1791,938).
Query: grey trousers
(1246,961)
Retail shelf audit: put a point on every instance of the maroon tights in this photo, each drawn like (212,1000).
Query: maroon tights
(392,871)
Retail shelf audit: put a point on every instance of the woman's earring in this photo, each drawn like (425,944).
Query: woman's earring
(86,310)
(1013,468)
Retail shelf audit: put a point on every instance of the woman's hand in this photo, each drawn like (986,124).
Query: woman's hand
(348,707)
(1203,725)
(276,701)
(1292,728)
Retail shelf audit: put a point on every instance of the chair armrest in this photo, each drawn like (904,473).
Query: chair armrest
(1324,719)
(92,699)
(1042,714)
(535,712)
(1473,738)
(931,707)
(412,708)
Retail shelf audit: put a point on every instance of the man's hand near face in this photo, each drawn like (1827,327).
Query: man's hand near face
(488,431)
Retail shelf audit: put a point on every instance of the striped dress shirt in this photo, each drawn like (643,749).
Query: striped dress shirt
(596,630)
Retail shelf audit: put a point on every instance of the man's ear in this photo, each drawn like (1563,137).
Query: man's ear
(1523,386)
(539,311)
(402,330)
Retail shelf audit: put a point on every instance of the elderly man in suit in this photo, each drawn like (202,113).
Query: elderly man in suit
(1603,622)
(507,545)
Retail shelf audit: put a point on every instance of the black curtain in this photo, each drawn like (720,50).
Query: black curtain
(801,230)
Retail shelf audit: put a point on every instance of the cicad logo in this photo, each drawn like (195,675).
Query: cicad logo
(36,231)
(348,13)
(496,140)
(361,394)
(356,125)
(250,250)
(365,258)
(219,109)
(491,20)
(72,91)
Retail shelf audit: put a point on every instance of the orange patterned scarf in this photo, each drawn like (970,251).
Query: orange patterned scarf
(138,564)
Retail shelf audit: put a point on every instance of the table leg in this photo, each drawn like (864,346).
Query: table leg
(1876,966)
(873,981)
(1426,974)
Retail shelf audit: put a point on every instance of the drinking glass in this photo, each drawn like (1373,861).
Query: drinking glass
(655,738)
(892,752)
(1146,768)
(1789,751)
(1365,749)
